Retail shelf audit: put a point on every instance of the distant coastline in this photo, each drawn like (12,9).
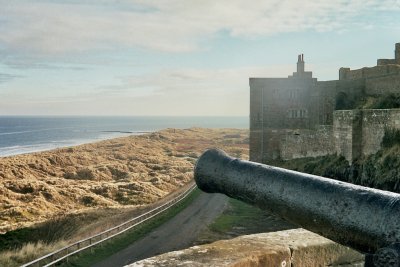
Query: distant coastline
(30,134)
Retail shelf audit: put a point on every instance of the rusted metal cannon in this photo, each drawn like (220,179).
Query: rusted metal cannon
(365,219)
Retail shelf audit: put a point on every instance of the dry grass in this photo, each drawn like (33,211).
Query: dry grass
(43,238)
(27,253)
(105,177)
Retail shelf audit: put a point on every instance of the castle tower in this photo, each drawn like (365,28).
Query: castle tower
(300,63)
(397,53)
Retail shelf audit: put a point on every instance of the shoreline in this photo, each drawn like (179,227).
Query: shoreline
(53,145)
(29,134)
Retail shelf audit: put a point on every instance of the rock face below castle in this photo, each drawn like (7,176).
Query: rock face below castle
(300,116)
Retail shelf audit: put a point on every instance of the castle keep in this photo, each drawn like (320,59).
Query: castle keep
(299,116)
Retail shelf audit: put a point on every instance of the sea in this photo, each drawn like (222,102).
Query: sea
(27,134)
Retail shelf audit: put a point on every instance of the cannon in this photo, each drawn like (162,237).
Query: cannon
(362,218)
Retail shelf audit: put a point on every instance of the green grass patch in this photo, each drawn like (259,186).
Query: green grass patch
(238,215)
(240,219)
(110,247)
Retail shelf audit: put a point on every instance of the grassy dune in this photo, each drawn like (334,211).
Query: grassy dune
(121,172)
(58,196)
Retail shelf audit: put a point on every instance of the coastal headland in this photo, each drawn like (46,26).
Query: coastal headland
(123,172)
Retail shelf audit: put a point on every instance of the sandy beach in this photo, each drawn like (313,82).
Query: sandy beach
(122,172)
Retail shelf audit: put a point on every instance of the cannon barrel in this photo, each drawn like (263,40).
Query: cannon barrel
(363,218)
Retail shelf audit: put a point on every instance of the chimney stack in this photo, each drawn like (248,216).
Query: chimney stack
(300,63)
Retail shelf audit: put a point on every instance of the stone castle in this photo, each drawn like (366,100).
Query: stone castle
(300,116)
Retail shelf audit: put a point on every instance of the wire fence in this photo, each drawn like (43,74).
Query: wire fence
(81,245)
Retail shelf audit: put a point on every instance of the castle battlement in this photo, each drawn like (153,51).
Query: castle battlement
(384,67)
(396,59)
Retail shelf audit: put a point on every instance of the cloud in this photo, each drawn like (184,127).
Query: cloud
(186,91)
(54,28)
(213,92)
(4,77)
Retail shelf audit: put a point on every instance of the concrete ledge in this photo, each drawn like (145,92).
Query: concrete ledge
(297,247)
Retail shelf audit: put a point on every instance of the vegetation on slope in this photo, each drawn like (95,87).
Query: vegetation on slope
(390,101)
(385,102)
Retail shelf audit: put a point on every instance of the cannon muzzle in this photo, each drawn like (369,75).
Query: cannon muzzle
(363,218)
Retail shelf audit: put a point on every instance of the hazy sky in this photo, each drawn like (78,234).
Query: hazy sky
(177,57)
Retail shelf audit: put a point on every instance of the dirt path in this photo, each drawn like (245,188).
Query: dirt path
(178,233)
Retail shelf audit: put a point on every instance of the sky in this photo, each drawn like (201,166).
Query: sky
(176,57)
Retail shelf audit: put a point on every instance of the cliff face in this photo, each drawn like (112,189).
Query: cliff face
(120,172)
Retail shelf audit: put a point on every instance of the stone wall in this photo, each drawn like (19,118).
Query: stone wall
(295,247)
(345,133)
(277,104)
(370,72)
(359,132)
(385,61)
(354,133)
(375,121)
(307,143)
(326,93)
(282,102)
(256,121)
(383,85)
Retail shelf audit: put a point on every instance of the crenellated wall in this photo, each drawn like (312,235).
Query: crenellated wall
(368,73)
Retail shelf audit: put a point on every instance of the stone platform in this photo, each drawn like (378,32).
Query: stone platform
(297,248)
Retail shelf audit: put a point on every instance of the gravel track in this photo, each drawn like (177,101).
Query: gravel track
(176,234)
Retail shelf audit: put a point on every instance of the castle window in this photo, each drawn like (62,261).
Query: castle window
(297,113)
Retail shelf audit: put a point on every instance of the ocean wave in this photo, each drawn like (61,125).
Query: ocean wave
(34,131)
(16,150)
